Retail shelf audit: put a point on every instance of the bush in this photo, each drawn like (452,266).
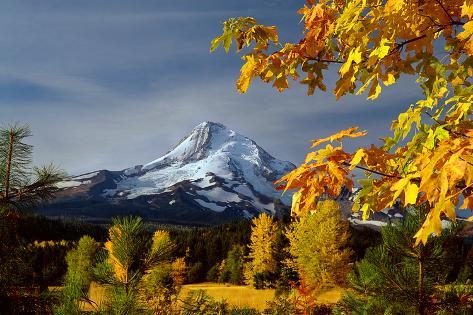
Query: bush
(243,311)
(199,303)
(264,280)
(293,303)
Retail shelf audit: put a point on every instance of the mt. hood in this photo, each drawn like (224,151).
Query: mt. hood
(212,175)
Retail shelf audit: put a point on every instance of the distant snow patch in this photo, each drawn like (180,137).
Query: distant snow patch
(219,194)
(71,183)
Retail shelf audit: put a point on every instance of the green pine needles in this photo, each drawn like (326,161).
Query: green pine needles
(398,277)
(136,271)
(21,185)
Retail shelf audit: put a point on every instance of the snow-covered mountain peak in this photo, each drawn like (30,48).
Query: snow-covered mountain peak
(212,167)
(211,139)
(192,147)
(209,151)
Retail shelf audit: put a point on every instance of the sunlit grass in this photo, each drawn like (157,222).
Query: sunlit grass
(239,296)
(330,296)
(236,296)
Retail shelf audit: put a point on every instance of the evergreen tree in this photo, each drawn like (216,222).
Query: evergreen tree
(130,261)
(136,271)
(318,244)
(232,270)
(78,277)
(22,185)
(398,277)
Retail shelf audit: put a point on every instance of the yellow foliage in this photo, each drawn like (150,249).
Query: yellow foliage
(318,244)
(428,159)
(263,238)
(178,272)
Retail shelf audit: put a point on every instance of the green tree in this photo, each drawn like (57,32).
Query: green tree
(262,250)
(132,263)
(80,261)
(136,271)
(398,277)
(233,266)
(318,244)
(22,185)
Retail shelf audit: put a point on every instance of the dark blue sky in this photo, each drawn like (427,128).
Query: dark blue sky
(113,83)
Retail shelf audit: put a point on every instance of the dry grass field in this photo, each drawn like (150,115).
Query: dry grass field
(330,296)
(239,296)
(246,296)
(235,295)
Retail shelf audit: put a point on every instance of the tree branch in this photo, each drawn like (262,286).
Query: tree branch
(445,10)
(372,171)
(326,60)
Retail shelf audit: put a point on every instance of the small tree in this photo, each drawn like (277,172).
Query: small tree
(398,277)
(262,241)
(233,266)
(80,260)
(137,272)
(318,245)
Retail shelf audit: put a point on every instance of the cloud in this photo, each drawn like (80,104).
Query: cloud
(111,84)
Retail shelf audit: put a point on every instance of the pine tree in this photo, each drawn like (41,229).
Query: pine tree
(78,277)
(318,244)
(130,260)
(398,277)
(136,271)
(22,185)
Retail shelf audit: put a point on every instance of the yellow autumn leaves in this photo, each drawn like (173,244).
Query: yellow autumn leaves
(428,159)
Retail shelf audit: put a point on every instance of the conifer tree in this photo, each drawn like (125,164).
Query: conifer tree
(22,185)
(233,266)
(398,277)
(136,271)
(129,259)
(80,260)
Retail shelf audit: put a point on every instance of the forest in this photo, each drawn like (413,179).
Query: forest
(41,254)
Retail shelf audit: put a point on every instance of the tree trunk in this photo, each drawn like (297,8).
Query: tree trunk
(421,294)
(6,183)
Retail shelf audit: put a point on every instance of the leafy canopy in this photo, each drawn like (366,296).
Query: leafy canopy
(428,160)
(262,248)
(318,243)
